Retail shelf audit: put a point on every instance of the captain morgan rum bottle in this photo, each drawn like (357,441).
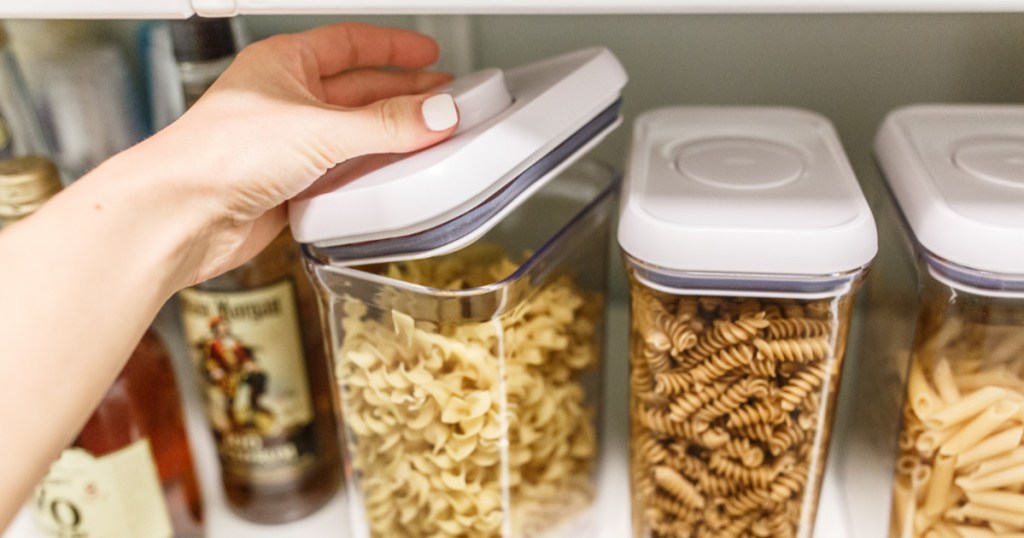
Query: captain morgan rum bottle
(258,349)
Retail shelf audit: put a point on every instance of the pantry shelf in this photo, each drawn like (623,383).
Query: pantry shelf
(184,8)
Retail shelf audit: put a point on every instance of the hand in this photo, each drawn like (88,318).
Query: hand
(289,108)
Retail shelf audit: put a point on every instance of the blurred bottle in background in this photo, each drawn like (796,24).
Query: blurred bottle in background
(129,472)
(83,88)
(21,132)
(257,344)
(203,49)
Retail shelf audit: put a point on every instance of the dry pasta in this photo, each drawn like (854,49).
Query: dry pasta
(737,410)
(450,426)
(962,441)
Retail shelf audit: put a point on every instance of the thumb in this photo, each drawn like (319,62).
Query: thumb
(398,124)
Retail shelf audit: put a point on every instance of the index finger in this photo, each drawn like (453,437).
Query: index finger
(343,46)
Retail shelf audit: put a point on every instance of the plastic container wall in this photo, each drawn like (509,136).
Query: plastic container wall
(731,403)
(961,452)
(470,382)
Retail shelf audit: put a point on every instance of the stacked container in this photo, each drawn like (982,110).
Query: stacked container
(745,237)
(465,310)
(957,175)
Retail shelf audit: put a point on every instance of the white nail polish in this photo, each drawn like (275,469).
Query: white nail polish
(439,112)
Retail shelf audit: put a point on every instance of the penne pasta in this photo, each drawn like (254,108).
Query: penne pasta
(945,385)
(919,480)
(930,441)
(980,427)
(1013,459)
(994,445)
(985,513)
(965,409)
(1001,500)
(943,530)
(1012,476)
(938,495)
(923,399)
(966,531)
(902,523)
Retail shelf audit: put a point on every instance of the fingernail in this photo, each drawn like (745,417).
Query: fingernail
(439,112)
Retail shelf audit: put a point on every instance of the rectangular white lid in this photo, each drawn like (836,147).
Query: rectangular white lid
(957,173)
(739,190)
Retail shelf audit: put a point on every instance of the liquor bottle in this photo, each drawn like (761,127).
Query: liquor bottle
(203,49)
(21,132)
(259,350)
(129,471)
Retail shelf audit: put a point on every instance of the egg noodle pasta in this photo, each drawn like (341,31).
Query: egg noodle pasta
(724,435)
(470,429)
(970,442)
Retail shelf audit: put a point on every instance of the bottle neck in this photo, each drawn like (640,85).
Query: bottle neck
(197,77)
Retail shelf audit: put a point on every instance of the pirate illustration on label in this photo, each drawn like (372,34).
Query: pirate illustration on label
(231,368)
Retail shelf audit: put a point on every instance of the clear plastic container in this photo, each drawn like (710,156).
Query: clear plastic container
(741,301)
(954,174)
(961,453)
(470,382)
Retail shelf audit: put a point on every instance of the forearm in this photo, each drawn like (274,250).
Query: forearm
(80,281)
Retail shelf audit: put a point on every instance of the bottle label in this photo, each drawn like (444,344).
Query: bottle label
(247,347)
(113,496)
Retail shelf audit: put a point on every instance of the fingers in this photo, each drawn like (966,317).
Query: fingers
(362,87)
(350,45)
(396,125)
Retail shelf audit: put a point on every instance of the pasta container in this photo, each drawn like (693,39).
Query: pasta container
(745,237)
(956,174)
(462,291)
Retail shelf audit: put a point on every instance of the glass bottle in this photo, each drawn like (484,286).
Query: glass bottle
(255,335)
(21,133)
(129,471)
(259,350)
(203,49)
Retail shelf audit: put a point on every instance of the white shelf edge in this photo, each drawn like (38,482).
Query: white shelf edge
(169,9)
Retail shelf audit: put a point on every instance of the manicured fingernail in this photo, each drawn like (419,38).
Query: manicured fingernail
(439,112)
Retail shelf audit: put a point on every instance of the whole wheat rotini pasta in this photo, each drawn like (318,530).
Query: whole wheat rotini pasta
(737,411)
(444,421)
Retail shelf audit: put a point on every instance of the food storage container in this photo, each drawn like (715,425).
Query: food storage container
(957,176)
(464,307)
(745,237)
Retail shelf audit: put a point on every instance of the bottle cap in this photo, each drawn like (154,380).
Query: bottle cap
(25,184)
(199,39)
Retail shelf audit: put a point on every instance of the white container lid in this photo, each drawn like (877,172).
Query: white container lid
(510,122)
(743,191)
(957,173)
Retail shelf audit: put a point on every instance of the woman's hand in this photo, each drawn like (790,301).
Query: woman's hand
(289,108)
(82,278)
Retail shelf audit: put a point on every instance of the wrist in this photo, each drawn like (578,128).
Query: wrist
(149,200)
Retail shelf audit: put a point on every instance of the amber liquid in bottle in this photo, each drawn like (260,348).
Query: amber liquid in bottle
(257,342)
(140,414)
(129,472)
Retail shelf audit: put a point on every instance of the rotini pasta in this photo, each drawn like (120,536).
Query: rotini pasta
(737,412)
